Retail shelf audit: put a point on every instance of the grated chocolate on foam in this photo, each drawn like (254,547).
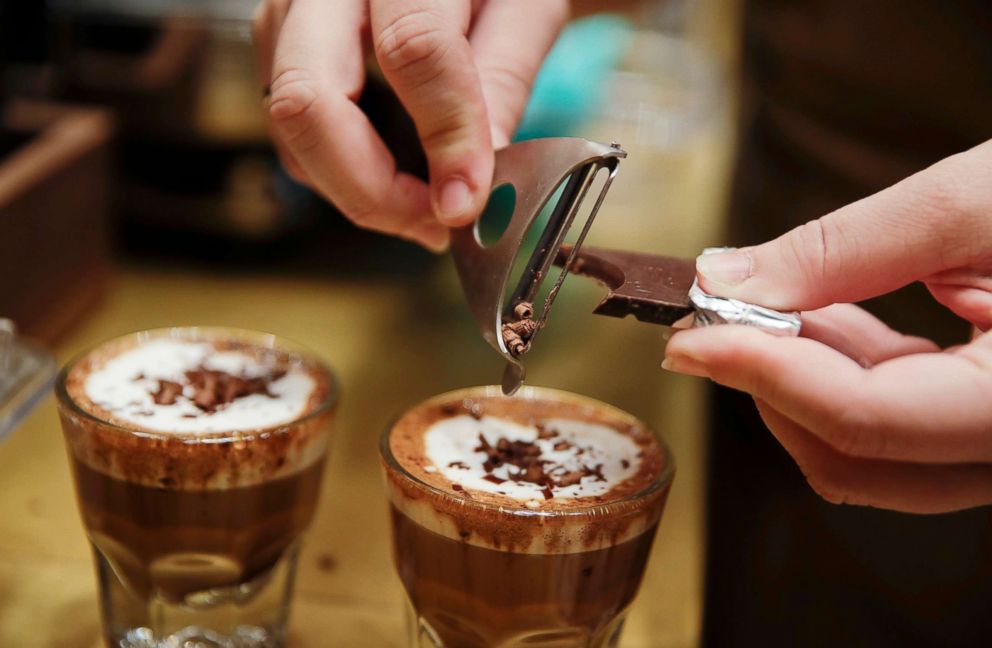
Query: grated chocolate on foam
(162,386)
(205,413)
(569,461)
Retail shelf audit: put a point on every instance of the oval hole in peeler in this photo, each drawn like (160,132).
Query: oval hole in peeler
(495,218)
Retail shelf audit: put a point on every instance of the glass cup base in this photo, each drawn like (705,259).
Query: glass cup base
(248,615)
(423,635)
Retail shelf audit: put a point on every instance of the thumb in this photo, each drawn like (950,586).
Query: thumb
(930,222)
(424,54)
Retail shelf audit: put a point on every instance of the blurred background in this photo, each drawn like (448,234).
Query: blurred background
(138,189)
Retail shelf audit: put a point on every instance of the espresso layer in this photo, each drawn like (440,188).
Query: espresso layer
(185,409)
(543,472)
(178,543)
(475,597)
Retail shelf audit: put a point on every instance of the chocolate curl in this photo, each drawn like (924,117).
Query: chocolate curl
(523,311)
(517,334)
(514,343)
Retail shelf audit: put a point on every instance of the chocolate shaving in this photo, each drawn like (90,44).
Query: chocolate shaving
(518,329)
(474,409)
(457,487)
(213,389)
(570,478)
(461,465)
(167,393)
(544,432)
(526,457)
(624,464)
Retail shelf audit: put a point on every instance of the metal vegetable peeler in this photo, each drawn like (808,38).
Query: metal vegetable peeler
(653,288)
(535,169)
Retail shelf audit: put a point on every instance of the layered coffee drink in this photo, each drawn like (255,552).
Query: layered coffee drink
(197,456)
(522,521)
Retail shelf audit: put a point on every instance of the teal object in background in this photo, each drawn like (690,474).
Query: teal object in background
(571,85)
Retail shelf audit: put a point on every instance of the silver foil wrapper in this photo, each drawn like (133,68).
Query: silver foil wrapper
(711,310)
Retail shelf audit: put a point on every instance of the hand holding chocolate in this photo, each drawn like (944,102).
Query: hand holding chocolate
(872,416)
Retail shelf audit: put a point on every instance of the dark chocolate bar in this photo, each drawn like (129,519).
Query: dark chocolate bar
(650,287)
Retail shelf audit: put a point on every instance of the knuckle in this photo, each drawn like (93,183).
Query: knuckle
(815,250)
(293,93)
(446,130)
(505,80)
(808,249)
(411,43)
(292,104)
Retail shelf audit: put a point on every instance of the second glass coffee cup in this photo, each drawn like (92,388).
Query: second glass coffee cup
(553,564)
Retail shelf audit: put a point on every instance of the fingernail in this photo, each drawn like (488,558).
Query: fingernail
(685,365)
(728,268)
(455,199)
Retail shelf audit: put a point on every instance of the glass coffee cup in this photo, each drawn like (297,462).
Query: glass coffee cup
(197,456)
(521,521)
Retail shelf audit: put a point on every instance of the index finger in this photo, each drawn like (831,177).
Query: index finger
(425,56)
(317,73)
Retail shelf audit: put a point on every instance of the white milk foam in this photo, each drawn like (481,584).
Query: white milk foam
(114,388)
(455,439)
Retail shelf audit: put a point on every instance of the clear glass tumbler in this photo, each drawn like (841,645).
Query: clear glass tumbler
(195,533)
(480,575)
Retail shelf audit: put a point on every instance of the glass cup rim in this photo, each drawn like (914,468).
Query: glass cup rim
(271,340)
(662,482)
